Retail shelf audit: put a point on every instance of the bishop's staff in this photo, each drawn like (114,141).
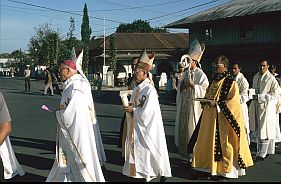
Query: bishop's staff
(186,62)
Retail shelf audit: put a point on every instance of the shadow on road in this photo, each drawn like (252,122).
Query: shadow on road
(34,143)
(28,177)
(35,162)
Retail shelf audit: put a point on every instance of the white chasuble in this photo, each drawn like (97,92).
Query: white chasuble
(76,154)
(146,154)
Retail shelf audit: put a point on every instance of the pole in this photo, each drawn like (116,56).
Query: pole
(103,67)
(104,42)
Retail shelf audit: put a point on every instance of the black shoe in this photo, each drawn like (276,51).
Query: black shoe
(219,178)
(163,179)
(259,159)
(198,175)
(103,168)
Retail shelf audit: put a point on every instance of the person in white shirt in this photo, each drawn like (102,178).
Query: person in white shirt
(263,110)
(27,78)
(243,86)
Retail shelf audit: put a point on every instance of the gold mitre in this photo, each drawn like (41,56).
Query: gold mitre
(146,62)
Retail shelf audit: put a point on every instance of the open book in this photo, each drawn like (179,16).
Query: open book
(200,99)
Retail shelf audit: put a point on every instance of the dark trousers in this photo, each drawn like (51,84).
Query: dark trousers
(27,83)
(1,171)
(56,88)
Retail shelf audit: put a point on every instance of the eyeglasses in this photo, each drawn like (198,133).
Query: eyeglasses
(217,65)
(263,65)
(63,68)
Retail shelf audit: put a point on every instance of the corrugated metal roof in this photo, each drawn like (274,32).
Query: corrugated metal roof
(129,41)
(235,8)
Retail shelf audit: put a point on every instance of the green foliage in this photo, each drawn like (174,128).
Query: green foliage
(85,35)
(66,45)
(112,54)
(159,30)
(44,45)
(5,55)
(139,26)
(70,34)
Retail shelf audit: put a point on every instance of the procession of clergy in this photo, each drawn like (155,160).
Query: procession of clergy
(213,126)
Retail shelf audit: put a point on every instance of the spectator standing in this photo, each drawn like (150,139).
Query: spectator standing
(48,82)
(99,84)
(55,83)
(27,78)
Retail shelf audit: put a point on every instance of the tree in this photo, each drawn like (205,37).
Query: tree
(159,30)
(112,55)
(138,26)
(71,41)
(17,57)
(44,45)
(85,35)
(70,34)
(4,55)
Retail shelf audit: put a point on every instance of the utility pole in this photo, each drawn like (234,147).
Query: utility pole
(103,67)
(104,42)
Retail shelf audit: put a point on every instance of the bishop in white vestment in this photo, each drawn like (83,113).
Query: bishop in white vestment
(88,89)
(146,153)
(76,152)
(193,85)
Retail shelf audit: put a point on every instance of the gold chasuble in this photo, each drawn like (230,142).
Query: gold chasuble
(222,141)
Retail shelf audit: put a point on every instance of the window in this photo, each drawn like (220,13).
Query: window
(246,30)
(208,34)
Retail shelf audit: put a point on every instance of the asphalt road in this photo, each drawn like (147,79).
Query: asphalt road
(34,131)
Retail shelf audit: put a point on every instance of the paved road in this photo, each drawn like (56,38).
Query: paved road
(34,131)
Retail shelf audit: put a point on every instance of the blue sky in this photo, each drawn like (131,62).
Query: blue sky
(18,18)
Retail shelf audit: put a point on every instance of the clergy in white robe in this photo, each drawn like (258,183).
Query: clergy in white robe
(188,110)
(146,153)
(243,86)
(98,140)
(263,110)
(100,149)
(76,151)
(9,159)
(193,85)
